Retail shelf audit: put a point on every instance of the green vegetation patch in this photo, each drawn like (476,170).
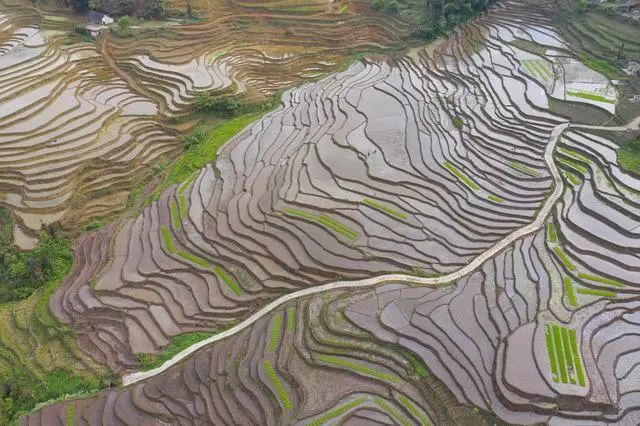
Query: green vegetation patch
(393,412)
(336,412)
(274,341)
(564,258)
(183,187)
(291,319)
(281,392)
(227,280)
(574,165)
(71,408)
(168,242)
(415,411)
(324,220)
(575,154)
(495,198)
(575,180)
(602,66)
(359,368)
(183,207)
(628,156)
(538,68)
(524,169)
(599,279)
(458,122)
(460,175)
(564,356)
(175,215)
(590,96)
(385,209)
(568,286)
(193,258)
(177,345)
(598,293)
(551,230)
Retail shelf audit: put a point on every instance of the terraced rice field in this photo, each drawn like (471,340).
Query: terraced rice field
(250,48)
(73,135)
(414,166)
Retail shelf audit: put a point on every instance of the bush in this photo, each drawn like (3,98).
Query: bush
(629,156)
(458,122)
(208,103)
(378,4)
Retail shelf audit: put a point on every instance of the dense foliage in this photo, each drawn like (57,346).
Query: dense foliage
(440,16)
(23,272)
(629,156)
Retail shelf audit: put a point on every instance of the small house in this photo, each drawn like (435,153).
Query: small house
(97,18)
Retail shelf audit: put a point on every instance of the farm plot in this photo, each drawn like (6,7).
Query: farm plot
(73,136)
(324,370)
(332,185)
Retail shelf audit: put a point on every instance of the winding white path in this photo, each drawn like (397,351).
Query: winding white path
(368,282)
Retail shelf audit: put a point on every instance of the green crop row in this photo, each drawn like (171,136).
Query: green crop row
(416,412)
(598,293)
(590,96)
(393,412)
(275,333)
(175,215)
(460,175)
(324,220)
(570,293)
(336,412)
(564,258)
(281,392)
(193,258)
(228,281)
(524,169)
(602,280)
(359,368)
(564,356)
(385,209)
(167,239)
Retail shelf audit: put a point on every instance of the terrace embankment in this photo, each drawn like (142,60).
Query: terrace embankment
(415,166)
(306,363)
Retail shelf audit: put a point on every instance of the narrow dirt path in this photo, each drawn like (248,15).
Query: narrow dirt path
(433,281)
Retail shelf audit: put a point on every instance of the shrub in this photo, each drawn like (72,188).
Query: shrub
(629,156)
(209,103)
(378,4)
(458,122)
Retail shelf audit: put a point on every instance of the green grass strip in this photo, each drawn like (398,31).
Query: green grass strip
(167,240)
(551,229)
(343,8)
(385,209)
(590,96)
(564,258)
(575,181)
(183,207)
(460,175)
(602,280)
(416,412)
(570,294)
(529,66)
(552,354)
(574,154)
(299,213)
(70,413)
(228,281)
(274,341)
(568,359)
(291,319)
(188,182)
(193,258)
(574,165)
(393,412)
(598,293)
(336,226)
(336,412)
(524,169)
(175,215)
(577,361)
(281,393)
(557,343)
(359,368)
(495,198)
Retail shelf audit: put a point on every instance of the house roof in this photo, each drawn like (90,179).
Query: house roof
(95,17)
